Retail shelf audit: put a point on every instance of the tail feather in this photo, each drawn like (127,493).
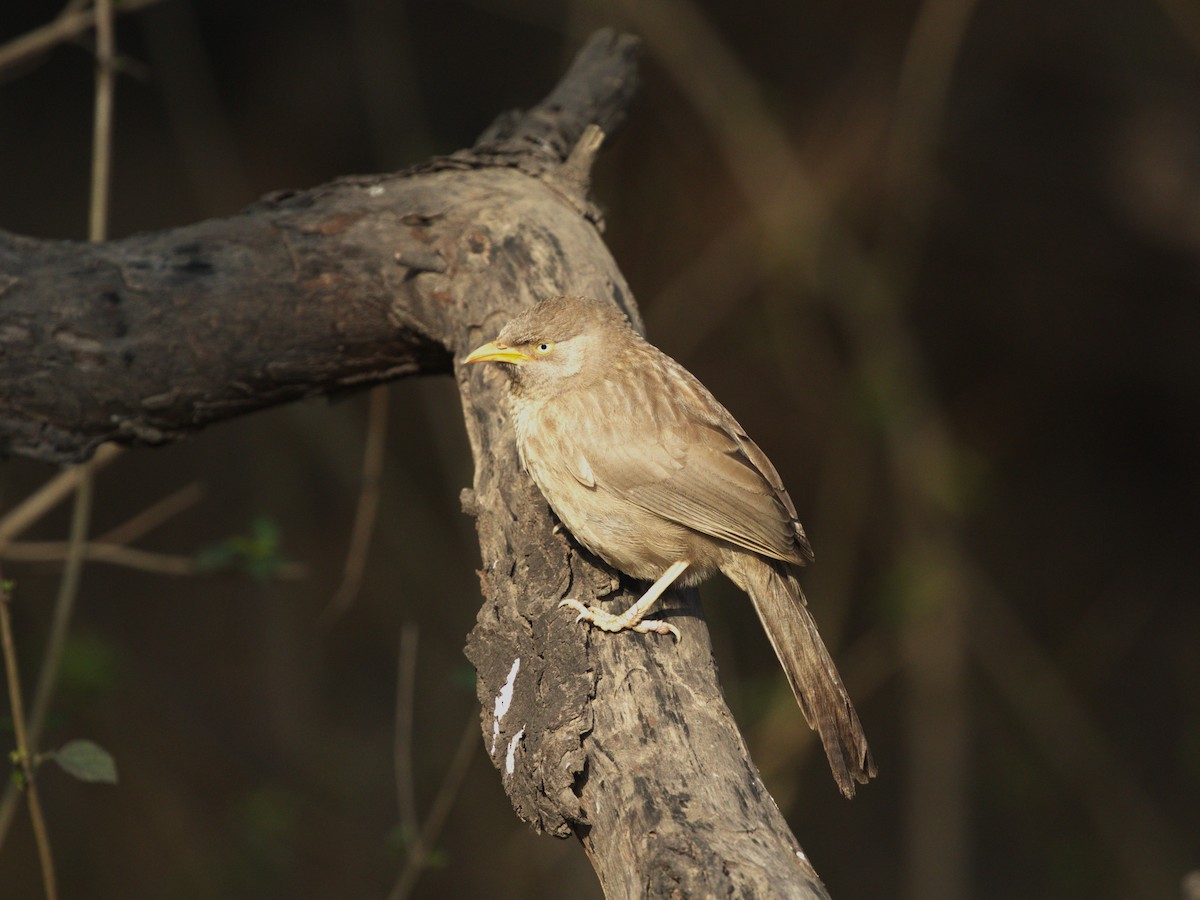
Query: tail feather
(810,670)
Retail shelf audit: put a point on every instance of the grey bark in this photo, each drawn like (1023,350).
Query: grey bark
(623,741)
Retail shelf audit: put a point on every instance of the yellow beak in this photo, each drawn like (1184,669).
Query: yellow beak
(493,351)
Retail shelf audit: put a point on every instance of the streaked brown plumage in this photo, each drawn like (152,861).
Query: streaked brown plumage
(652,474)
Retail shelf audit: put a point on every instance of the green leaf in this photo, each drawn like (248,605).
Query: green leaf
(260,553)
(87,761)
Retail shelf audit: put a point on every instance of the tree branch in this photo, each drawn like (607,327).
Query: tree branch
(621,740)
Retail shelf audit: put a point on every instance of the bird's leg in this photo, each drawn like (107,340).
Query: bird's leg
(634,617)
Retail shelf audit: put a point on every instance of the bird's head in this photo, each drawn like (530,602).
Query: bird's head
(555,340)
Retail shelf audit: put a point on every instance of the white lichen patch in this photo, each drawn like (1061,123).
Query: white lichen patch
(504,701)
(510,758)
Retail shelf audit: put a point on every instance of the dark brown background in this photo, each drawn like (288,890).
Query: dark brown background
(1055,302)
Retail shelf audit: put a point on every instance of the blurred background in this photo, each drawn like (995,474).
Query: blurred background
(941,258)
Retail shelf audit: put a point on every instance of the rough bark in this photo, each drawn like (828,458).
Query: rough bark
(621,740)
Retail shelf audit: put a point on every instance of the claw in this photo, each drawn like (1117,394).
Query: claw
(606,621)
(571,603)
(662,628)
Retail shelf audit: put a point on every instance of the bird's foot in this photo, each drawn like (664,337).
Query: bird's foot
(606,621)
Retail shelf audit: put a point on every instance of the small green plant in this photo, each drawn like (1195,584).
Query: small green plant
(260,553)
(85,760)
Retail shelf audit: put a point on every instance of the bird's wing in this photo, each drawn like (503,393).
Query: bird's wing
(691,463)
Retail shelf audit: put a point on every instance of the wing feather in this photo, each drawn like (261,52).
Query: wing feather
(686,459)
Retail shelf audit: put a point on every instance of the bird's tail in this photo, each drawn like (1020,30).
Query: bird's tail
(814,678)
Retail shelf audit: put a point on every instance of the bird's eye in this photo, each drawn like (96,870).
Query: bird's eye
(544,347)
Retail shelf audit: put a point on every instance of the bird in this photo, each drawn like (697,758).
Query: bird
(649,472)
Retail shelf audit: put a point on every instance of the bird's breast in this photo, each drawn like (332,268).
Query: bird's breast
(634,540)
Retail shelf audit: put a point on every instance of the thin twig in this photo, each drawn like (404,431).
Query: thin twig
(50,494)
(96,551)
(406,688)
(926,74)
(25,750)
(70,23)
(918,439)
(64,606)
(129,557)
(102,123)
(792,214)
(154,515)
(368,505)
(439,811)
